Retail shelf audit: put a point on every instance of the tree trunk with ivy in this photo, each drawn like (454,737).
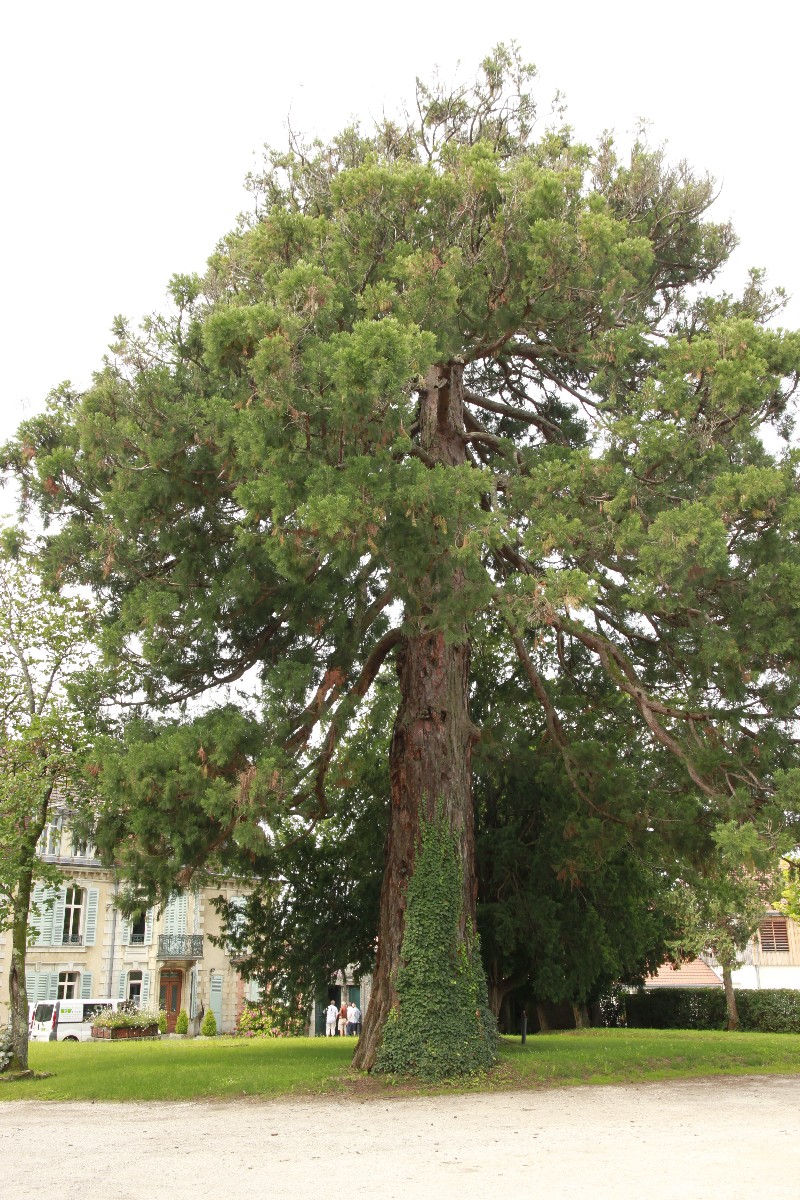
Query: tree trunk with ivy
(431,751)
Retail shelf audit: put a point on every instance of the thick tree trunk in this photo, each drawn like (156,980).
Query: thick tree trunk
(430,757)
(580,1015)
(541,1016)
(730,1000)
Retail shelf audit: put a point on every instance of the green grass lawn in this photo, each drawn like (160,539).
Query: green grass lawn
(236,1067)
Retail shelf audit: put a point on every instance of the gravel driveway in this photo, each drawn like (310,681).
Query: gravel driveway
(710,1139)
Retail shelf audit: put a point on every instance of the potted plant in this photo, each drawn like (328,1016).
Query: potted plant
(127,1023)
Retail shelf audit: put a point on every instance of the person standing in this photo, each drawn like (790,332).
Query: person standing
(343,1020)
(356,1021)
(351,1008)
(330,1020)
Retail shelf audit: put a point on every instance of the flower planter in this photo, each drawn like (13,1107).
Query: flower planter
(124,1033)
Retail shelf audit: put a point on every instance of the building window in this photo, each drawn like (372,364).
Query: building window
(51,838)
(774,935)
(135,987)
(137,930)
(73,907)
(79,846)
(67,985)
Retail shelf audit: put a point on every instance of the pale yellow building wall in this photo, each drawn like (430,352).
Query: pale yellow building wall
(110,956)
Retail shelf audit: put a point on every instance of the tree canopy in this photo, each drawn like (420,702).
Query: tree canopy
(455,372)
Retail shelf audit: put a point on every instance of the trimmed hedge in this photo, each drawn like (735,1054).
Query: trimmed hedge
(769,1011)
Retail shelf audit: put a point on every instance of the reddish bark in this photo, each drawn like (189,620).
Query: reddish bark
(432,740)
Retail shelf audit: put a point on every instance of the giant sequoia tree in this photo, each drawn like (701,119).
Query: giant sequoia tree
(452,367)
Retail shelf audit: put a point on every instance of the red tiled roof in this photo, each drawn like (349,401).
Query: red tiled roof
(691,974)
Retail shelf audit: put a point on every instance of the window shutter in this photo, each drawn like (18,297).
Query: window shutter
(86,985)
(121,981)
(35,919)
(46,935)
(175,914)
(57,917)
(30,986)
(146,975)
(43,986)
(52,986)
(126,931)
(216,997)
(193,993)
(92,904)
(148,927)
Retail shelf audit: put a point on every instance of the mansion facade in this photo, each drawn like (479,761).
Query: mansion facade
(82,946)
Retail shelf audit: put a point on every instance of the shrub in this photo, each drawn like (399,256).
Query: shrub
(182,1023)
(771,1011)
(209,1026)
(265,1019)
(162,1020)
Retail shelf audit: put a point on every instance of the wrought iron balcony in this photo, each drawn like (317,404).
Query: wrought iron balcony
(180,945)
(72,939)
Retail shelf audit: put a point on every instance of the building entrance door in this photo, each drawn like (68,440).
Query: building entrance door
(169,996)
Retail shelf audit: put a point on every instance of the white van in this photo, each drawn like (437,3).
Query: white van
(66,1020)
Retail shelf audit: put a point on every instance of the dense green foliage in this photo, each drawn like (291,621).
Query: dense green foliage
(267,1018)
(572,897)
(314,910)
(442,1026)
(765,1011)
(209,1025)
(182,1022)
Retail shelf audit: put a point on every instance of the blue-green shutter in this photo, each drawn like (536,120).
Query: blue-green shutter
(52,986)
(146,977)
(216,998)
(148,927)
(92,902)
(86,985)
(122,979)
(49,898)
(57,928)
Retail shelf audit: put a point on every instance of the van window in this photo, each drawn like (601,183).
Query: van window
(44,1012)
(91,1010)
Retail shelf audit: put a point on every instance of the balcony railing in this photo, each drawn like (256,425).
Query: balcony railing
(180,945)
(72,939)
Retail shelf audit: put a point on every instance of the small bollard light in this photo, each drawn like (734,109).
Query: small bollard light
(524,1026)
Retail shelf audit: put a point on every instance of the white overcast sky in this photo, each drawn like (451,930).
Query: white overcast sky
(127,130)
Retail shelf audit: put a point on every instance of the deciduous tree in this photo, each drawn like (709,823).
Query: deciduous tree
(43,646)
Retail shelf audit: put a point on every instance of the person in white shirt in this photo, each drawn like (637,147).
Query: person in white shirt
(331,1013)
(356,1021)
(351,1008)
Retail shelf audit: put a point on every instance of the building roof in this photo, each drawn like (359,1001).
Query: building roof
(694,974)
